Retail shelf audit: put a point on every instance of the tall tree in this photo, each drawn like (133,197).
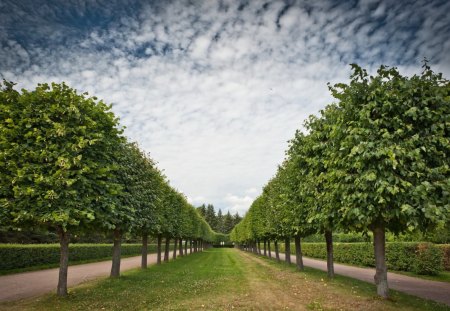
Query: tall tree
(393,151)
(219,222)
(228,223)
(236,219)
(210,216)
(56,166)
(202,210)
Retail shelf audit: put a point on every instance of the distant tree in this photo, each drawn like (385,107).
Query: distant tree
(210,216)
(219,222)
(228,223)
(236,219)
(202,210)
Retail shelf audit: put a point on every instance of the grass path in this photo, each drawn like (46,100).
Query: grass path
(224,279)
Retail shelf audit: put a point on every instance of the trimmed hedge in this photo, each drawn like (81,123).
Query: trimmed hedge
(421,258)
(446,253)
(15,256)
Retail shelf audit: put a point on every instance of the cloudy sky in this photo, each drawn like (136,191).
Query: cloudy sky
(214,89)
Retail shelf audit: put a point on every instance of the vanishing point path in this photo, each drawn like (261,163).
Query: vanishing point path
(32,284)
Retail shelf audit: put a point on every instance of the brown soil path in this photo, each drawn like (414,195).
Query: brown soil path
(36,283)
(433,290)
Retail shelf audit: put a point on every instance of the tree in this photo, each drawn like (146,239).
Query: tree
(319,186)
(202,210)
(219,222)
(55,161)
(210,216)
(393,154)
(236,219)
(228,223)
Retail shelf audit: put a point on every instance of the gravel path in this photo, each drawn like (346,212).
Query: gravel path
(437,291)
(36,283)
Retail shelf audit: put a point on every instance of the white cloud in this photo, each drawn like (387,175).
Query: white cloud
(215,94)
(237,204)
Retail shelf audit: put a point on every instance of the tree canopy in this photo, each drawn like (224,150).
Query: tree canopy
(377,159)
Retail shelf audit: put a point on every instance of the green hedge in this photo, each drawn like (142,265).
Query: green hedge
(446,252)
(15,256)
(421,258)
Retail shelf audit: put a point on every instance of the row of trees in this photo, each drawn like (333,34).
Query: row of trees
(377,160)
(219,223)
(65,166)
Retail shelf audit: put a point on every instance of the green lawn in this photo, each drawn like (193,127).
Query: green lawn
(224,279)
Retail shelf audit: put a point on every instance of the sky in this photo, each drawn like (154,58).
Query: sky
(215,89)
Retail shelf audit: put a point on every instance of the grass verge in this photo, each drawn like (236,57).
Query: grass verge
(224,279)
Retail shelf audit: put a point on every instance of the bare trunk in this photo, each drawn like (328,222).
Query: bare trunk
(167,249)
(379,243)
(277,252)
(115,267)
(64,236)
(268,248)
(174,254)
(265,248)
(158,256)
(190,246)
(287,250)
(298,253)
(185,247)
(144,250)
(330,265)
(180,251)
(258,246)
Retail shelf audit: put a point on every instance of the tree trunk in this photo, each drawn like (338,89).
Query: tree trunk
(190,246)
(185,247)
(174,254)
(287,250)
(379,243)
(180,251)
(298,253)
(144,250)
(265,248)
(277,252)
(115,267)
(268,248)
(158,256)
(64,236)
(167,249)
(330,265)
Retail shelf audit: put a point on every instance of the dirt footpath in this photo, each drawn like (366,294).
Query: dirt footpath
(36,283)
